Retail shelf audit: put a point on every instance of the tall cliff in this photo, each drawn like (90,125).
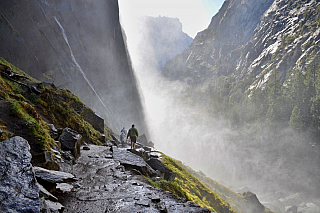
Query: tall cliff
(78,45)
(257,68)
(251,38)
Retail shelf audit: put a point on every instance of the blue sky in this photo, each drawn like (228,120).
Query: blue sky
(195,15)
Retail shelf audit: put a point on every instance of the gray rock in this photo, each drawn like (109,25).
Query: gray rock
(95,120)
(143,139)
(64,187)
(169,175)
(53,132)
(18,189)
(129,159)
(71,140)
(54,207)
(155,155)
(253,204)
(140,152)
(45,194)
(53,176)
(157,165)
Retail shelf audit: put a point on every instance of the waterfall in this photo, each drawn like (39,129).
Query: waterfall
(79,67)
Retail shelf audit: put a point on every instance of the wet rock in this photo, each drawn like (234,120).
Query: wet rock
(67,155)
(54,207)
(157,165)
(103,188)
(151,144)
(53,132)
(147,148)
(131,160)
(64,187)
(253,204)
(45,194)
(162,207)
(52,176)
(102,138)
(71,140)
(115,140)
(18,187)
(140,152)
(155,155)
(155,199)
(143,203)
(169,175)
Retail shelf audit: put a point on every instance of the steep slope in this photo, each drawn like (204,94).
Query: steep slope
(78,45)
(258,71)
(28,108)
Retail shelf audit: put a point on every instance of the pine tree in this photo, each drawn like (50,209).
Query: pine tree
(296,121)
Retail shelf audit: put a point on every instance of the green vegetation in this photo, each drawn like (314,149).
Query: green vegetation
(189,187)
(59,106)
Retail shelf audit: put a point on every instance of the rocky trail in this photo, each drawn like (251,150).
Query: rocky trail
(105,185)
(102,179)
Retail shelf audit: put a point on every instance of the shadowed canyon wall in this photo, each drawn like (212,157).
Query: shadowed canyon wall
(78,45)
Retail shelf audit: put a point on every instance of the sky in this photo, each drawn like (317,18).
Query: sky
(195,15)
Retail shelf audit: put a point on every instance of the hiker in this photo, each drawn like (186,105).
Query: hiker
(123,135)
(133,133)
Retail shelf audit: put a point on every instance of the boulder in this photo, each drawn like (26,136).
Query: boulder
(52,176)
(165,172)
(143,139)
(155,155)
(157,165)
(71,140)
(64,187)
(140,152)
(253,204)
(130,160)
(45,194)
(54,207)
(53,132)
(151,144)
(95,120)
(19,191)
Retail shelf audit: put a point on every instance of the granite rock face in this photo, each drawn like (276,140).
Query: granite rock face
(19,191)
(249,38)
(75,44)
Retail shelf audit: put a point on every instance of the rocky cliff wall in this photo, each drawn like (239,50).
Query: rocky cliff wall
(78,45)
(251,38)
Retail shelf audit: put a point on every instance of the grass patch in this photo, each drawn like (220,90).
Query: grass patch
(189,187)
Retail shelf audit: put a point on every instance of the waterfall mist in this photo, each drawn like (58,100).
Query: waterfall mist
(262,158)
